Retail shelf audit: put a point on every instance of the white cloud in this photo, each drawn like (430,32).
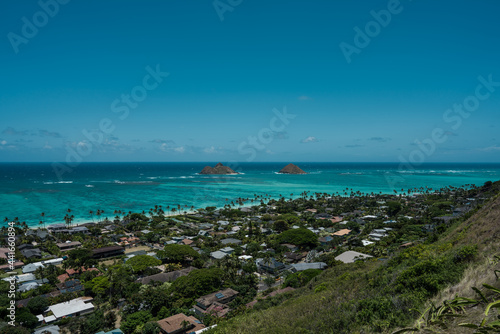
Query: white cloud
(180,149)
(304,98)
(310,139)
(3,142)
(210,150)
(491,148)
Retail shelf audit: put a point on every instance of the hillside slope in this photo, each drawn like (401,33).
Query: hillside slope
(382,295)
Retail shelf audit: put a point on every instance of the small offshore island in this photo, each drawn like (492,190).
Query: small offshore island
(219,169)
(291,169)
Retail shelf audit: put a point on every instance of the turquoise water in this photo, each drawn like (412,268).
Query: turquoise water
(27,190)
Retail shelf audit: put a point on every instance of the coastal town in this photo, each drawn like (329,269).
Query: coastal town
(169,271)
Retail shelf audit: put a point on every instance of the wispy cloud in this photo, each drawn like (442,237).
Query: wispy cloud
(490,148)
(162,141)
(304,98)
(10,131)
(46,133)
(353,146)
(280,135)
(210,150)
(380,139)
(309,139)
(13,132)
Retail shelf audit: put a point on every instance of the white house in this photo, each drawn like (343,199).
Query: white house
(74,307)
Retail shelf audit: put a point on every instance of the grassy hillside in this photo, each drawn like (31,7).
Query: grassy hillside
(384,295)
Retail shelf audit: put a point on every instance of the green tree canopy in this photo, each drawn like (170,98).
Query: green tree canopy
(393,208)
(38,304)
(99,285)
(178,253)
(78,258)
(301,237)
(198,283)
(140,263)
(134,320)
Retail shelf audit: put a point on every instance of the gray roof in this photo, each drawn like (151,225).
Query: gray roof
(230,241)
(305,266)
(70,307)
(53,329)
(218,255)
(351,256)
(29,268)
(227,250)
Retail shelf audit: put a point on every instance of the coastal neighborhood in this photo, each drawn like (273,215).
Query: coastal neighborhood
(167,272)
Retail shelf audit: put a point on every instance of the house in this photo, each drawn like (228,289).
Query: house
(270,265)
(15,265)
(32,285)
(323,216)
(52,329)
(227,250)
(217,255)
(74,307)
(204,233)
(166,277)
(336,219)
(180,323)
(342,232)
(325,240)
(73,285)
(71,272)
(215,303)
(205,226)
(294,257)
(38,233)
(187,242)
(376,236)
(79,229)
(32,253)
(366,242)
(4,252)
(68,245)
(32,267)
(305,266)
(351,256)
(53,262)
(109,251)
(56,228)
(229,241)
(113,331)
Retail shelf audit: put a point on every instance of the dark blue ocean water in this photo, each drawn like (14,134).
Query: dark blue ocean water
(28,189)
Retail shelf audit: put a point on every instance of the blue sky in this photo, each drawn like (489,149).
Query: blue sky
(67,70)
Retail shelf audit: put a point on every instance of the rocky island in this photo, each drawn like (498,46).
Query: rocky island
(217,170)
(291,169)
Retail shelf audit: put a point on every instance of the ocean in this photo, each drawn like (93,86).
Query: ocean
(28,189)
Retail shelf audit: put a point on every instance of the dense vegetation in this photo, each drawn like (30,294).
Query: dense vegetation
(422,258)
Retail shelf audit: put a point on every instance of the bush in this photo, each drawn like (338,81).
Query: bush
(38,305)
(301,237)
(296,280)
